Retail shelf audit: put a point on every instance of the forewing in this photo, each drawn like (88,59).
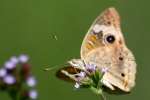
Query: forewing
(94,36)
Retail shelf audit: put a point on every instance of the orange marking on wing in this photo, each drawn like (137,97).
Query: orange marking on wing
(125,83)
(92,38)
(89,46)
(70,69)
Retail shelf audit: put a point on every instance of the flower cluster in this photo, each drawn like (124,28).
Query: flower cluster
(16,78)
(90,77)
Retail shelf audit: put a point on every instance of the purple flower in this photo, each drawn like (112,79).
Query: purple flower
(91,67)
(23,58)
(14,59)
(104,69)
(33,94)
(3,72)
(31,81)
(10,65)
(81,74)
(9,79)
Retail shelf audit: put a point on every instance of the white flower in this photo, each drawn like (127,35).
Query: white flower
(14,59)
(9,79)
(77,85)
(23,58)
(3,72)
(33,94)
(31,81)
(10,65)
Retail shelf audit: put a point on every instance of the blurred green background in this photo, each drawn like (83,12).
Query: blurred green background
(26,26)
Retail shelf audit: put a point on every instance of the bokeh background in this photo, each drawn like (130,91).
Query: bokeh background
(26,26)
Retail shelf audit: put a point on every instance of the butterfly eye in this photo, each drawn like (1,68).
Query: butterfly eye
(110,39)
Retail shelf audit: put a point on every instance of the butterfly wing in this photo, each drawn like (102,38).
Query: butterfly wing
(93,38)
(104,46)
(67,73)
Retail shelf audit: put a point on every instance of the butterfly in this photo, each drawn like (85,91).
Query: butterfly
(104,47)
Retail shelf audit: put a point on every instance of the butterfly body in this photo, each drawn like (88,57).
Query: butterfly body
(104,46)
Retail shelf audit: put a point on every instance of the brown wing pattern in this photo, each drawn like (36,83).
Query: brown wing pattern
(71,70)
(115,56)
(93,40)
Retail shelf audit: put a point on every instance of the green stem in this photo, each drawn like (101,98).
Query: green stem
(103,97)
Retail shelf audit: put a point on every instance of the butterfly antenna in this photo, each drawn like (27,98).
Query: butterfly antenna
(48,68)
